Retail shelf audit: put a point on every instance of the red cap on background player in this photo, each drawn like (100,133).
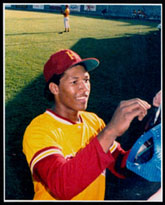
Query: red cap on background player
(64,59)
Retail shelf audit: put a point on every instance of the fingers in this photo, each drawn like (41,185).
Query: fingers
(135,108)
(157,99)
(135,113)
(125,113)
(135,100)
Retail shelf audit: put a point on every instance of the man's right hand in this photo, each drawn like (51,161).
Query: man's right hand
(125,113)
(121,120)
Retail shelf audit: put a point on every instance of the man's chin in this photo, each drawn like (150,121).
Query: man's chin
(82,108)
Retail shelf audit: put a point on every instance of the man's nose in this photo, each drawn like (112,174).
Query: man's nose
(83,85)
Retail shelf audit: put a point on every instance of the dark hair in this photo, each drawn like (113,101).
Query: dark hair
(55,79)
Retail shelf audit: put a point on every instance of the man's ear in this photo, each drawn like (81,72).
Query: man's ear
(54,89)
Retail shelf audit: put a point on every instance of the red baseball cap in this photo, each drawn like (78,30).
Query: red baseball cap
(64,59)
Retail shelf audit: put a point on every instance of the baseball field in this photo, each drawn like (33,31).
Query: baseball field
(129,51)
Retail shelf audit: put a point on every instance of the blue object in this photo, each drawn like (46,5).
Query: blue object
(150,169)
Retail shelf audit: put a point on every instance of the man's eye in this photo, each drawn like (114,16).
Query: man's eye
(74,82)
(87,80)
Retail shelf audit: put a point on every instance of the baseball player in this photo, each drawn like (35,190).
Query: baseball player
(66,18)
(67,148)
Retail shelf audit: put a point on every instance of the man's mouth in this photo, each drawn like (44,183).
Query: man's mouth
(82,99)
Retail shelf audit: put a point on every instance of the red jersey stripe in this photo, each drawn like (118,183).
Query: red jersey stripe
(44,153)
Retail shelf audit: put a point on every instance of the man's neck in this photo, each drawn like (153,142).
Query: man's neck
(69,114)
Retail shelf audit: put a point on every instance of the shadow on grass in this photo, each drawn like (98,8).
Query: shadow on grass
(34,33)
(129,67)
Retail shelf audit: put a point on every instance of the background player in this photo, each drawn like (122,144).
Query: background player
(66,18)
(67,148)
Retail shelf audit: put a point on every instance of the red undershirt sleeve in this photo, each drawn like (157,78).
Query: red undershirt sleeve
(118,167)
(65,178)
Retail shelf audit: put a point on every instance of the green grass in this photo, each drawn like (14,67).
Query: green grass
(129,54)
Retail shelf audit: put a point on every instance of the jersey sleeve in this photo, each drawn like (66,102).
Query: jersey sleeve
(38,143)
(118,167)
(61,176)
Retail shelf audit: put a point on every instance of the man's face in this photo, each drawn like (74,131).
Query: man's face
(74,89)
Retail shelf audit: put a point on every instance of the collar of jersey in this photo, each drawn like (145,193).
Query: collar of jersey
(60,118)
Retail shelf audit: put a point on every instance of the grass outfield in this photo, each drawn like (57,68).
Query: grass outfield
(129,53)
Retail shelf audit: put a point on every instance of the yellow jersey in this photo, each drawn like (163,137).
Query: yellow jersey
(65,158)
(66,12)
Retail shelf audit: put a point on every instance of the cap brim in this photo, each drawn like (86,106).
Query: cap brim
(90,63)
